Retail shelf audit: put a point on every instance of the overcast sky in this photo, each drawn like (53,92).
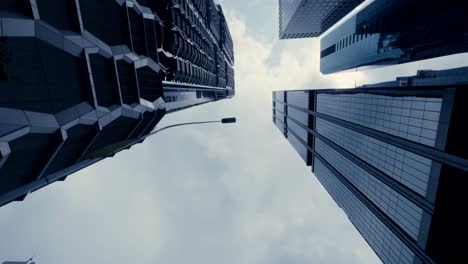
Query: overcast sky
(208,194)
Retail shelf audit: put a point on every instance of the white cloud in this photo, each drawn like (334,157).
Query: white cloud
(204,194)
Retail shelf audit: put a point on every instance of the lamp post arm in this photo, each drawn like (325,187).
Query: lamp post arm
(88,160)
(112,149)
(176,125)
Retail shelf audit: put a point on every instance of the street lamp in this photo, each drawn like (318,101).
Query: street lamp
(90,159)
(111,150)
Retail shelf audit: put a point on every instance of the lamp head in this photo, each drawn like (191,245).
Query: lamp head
(228,120)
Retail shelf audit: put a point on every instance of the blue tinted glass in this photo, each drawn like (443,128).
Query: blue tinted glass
(384,242)
(406,214)
(298,146)
(299,116)
(299,98)
(384,113)
(389,159)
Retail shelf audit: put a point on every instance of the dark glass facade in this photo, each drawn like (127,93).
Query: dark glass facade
(397,31)
(310,18)
(392,155)
(79,75)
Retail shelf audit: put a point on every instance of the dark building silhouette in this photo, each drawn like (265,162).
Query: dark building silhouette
(393,156)
(310,18)
(79,75)
(396,31)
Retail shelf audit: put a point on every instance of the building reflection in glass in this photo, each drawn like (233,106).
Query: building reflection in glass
(394,32)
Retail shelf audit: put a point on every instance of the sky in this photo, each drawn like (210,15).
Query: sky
(234,193)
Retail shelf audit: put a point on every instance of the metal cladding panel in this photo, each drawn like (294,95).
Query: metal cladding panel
(63,15)
(138,34)
(22,7)
(180,99)
(96,16)
(150,84)
(79,137)
(151,39)
(104,78)
(120,129)
(127,82)
(145,121)
(28,156)
(35,74)
(214,20)
(158,115)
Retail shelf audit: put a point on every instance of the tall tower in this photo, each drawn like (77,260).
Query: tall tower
(375,37)
(393,156)
(79,75)
(310,18)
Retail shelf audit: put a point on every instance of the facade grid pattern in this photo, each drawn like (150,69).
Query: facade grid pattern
(405,213)
(280,124)
(410,117)
(299,98)
(381,239)
(404,166)
(298,145)
(300,116)
(287,8)
(392,155)
(300,131)
(279,96)
(280,115)
(310,18)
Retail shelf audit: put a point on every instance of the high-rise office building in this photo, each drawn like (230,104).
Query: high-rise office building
(310,18)
(79,75)
(396,31)
(393,156)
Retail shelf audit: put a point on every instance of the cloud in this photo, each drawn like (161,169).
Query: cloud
(201,194)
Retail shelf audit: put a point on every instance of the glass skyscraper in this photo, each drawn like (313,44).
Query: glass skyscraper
(310,18)
(393,156)
(396,31)
(79,75)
